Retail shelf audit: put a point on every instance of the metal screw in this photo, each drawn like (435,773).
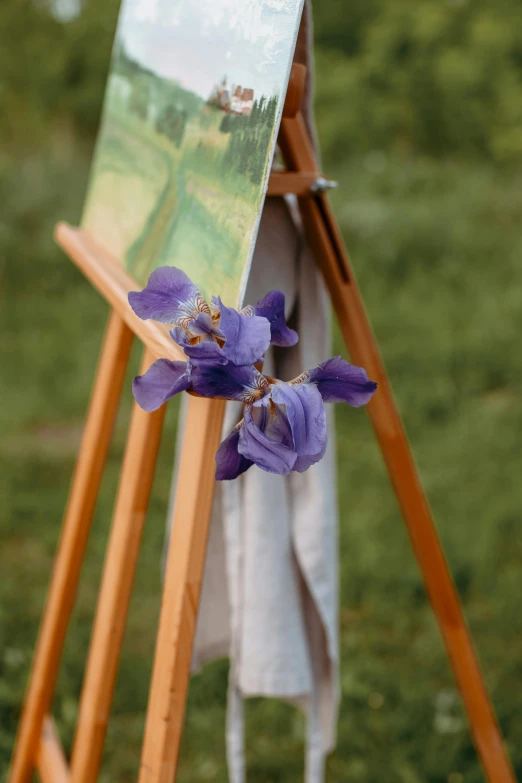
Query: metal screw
(322,184)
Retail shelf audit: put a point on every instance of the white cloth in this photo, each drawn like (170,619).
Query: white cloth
(270,588)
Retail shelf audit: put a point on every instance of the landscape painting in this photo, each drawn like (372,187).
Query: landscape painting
(191,113)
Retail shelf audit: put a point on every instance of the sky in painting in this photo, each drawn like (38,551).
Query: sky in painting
(197,42)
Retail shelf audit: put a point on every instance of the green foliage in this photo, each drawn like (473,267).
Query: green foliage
(140,98)
(52,72)
(171,122)
(224,125)
(249,139)
(163,93)
(440,78)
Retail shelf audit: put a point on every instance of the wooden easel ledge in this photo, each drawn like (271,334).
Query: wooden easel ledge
(113,282)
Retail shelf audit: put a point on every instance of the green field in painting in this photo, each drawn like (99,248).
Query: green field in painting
(154,200)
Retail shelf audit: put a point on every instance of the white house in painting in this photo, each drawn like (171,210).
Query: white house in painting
(242,100)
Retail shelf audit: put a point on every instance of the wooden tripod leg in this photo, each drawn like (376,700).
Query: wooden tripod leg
(181,591)
(77,522)
(118,574)
(326,242)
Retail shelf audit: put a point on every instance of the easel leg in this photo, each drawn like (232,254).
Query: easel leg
(325,240)
(50,759)
(84,492)
(118,575)
(181,591)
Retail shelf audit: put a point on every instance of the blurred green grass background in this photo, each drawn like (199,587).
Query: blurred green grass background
(419,112)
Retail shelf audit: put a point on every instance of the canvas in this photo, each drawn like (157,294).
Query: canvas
(191,114)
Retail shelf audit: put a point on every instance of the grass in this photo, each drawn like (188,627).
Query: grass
(437,251)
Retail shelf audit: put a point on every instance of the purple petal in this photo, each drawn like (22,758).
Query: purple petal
(229,462)
(273,422)
(228,381)
(203,326)
(267,454)
(272,307)
(207,352)
(340,381)
(305,462)
(246,337)
(169,296)
(162,381)
(306,414)
(180,336)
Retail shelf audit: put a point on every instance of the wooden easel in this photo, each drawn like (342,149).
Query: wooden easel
(38,746)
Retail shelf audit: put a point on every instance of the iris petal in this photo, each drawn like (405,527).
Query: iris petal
(207,352)
(246,337)
(269,455)
(305,462)
(229,462)
(340,381)
(169,296)
(306,415)
(273,422)
(228,381)
(203,326)
(162,381)
(181,336)
(272,307)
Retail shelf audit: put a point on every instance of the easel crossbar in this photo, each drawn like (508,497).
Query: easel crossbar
(113,282)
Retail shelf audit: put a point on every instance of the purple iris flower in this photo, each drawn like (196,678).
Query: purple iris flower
(208,331)
(284,424)
(272,307)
